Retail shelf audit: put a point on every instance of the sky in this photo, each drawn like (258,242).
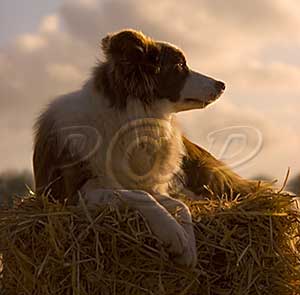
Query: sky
(48,48)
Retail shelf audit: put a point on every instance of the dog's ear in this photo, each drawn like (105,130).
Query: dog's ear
(127,45)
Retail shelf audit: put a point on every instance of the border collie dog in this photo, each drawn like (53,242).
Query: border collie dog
(116,140)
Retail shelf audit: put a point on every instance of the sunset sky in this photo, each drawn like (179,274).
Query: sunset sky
(48,48)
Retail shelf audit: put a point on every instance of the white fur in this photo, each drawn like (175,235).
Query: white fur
(112,140)
(198,91)
(89,109)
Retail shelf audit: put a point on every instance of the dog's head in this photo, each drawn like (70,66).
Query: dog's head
(137,67)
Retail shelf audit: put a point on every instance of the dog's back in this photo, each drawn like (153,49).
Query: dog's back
(64,138)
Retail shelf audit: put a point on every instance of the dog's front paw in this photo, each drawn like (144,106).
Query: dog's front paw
(189,256)
(177,242)
(182,247)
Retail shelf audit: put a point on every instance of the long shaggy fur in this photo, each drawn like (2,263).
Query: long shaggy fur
(129,85)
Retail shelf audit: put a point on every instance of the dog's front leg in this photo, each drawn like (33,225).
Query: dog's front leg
(175,239)
(184,217)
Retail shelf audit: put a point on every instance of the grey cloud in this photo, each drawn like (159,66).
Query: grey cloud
(256,15)
(204,24)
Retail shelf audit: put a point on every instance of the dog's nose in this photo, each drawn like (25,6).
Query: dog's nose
(220,85)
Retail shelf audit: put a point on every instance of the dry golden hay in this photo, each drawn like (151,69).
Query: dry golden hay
(249,246)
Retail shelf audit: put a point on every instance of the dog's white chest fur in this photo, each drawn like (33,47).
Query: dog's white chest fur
(134,149)
(144,154)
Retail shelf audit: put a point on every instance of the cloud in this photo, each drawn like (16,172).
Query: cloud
(64,72)
(276,79)
(228,40)
(30,42)
(50,24)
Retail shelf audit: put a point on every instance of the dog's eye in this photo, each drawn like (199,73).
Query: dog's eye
(180,66)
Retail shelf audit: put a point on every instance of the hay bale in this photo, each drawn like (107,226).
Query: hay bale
(248,246)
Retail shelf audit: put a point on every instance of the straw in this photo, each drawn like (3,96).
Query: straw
(245,246)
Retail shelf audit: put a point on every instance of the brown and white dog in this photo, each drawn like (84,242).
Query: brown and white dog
(117,136)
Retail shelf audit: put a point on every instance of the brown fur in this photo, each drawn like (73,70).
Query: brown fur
(129,70)
(50,178)
(204,175)
(137,67)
